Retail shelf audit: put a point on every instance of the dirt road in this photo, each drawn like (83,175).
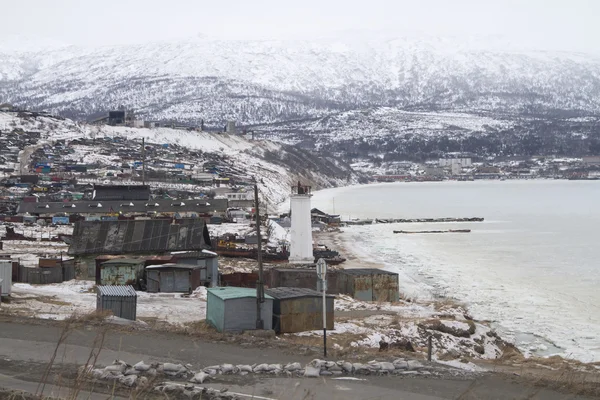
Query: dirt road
(25,157)
(25,348)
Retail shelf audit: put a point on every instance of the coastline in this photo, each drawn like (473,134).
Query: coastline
(509,360)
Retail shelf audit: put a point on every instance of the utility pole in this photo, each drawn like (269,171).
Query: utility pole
(322,275)
(260,288)
(143,161)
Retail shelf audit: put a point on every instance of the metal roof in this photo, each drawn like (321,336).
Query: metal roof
(139,236)
(124,206)
(173,265)
(118,291)
(296,269)
(116,261)
(366,271)
(121,192)
(282,293)
(230,292)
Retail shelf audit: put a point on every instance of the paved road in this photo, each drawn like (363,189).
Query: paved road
(23,346)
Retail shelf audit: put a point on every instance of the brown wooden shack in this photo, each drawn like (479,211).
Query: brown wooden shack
(299,309)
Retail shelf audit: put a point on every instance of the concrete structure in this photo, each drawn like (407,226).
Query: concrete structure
(448,162)
(368,284)
(591,160)
(456,169)
(173,278)
(299,309)
(122,271)
(230,127)
(301,246)
(6,273)
(121,301)
(232,309)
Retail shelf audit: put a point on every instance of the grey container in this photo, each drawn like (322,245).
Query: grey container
(6,276)
(120,300)
(232,309)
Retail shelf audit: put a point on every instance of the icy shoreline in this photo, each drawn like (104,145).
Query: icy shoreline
(421,291)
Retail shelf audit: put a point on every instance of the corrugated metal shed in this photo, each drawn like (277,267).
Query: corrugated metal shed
(120,300)
(234,309)
(6,276)
(300,278)
(122,271)
(139,236)
(119,291)
(300,309)
(369,284)
(169,278)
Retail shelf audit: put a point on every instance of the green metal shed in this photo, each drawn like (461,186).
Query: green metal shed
(234,309)
(122,271)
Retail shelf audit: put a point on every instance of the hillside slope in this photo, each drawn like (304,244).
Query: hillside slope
(276,166)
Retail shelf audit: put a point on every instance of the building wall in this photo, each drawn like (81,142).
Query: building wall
(215,311)
(240,314)
(369,287)
(591,160)
(172,280)
(301,278)
(301,249)
(302,314)
(6,276)
(122,307)
(121,274)
(448,162)
(46,275)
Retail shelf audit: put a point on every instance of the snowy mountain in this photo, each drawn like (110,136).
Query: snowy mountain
(345,88)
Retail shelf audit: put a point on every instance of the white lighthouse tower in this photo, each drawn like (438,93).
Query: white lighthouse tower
(301,248)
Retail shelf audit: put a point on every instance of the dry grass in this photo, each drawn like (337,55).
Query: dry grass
(91,318)
(51,300)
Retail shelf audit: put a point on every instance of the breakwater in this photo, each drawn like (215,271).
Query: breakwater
(412,220)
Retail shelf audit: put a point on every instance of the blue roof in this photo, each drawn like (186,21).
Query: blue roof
(230,292)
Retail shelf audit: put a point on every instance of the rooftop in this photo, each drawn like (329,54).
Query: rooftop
(282,293)
(119,291)
(366,271)
(125,206)
(173,265)
(230,292)
(138,236)
(116,261)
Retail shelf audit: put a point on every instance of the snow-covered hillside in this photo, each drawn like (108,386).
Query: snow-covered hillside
(276,166)
(348,88)
(184,80)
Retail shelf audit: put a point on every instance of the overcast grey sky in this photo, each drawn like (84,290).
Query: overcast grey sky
(555,24)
